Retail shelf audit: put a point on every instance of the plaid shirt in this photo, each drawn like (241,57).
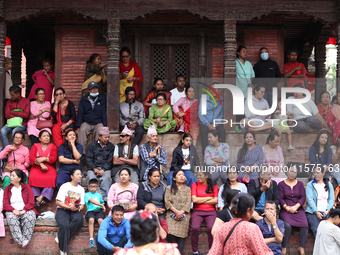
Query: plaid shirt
(152,162)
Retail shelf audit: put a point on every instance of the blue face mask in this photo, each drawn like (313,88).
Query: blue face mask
(264,56)
(94,94)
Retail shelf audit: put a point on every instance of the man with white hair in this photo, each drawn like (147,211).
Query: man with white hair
(152,154)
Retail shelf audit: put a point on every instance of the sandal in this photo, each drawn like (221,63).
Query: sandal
(37,203)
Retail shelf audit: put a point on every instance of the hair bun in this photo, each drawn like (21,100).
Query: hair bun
(234,202)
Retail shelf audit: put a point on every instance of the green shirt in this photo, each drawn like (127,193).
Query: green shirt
(94,196)
(244,73)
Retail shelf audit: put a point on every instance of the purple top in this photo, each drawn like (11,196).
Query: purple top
(291,197)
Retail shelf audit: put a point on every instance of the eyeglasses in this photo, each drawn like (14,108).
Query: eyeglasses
(93,186)
(41,94)
(124,135)
(59,94)
(18,138)
(262,92)
(160,99)
(126,56)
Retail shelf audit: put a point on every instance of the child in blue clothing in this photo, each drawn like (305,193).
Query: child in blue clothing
(95,208)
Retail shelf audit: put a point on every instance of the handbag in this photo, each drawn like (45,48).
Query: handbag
(46,123)
(8,168)
(15,121)
(126,204)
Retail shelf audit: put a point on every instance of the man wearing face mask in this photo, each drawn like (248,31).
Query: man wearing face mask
(295,71)
(132,114)
(91,114)
(266,70)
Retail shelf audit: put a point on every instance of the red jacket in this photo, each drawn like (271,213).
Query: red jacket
(27,197)
(23,104)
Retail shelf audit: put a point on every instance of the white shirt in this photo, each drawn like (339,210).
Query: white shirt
(186,159)
(322,197)
(68,194)
(16,199)
(327,241)
(176,95)
(126,151)
(258,105)
(310,106)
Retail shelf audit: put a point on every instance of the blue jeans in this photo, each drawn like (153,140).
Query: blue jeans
(102,250)
(188,174)
(4,132)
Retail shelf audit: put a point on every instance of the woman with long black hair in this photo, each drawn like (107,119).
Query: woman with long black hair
(320,154)
(249,158)
(320,199)
(231,183)
(204,195)
(178,201)
(184,157)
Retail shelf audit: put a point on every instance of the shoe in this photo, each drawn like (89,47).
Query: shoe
(63,253)
(290,148)
(181,129)
(196,253)
(25,243)
(91,243)
(56,240)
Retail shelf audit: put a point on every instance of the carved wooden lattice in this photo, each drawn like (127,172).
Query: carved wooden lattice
(181,61)
(159,62)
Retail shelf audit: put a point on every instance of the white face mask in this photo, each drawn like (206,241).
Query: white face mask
(264,56)
(94,94)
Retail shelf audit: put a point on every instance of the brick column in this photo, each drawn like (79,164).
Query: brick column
(2,71)
(113,40)
(229,69)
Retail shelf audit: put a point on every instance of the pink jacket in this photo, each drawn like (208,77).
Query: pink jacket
(20,156)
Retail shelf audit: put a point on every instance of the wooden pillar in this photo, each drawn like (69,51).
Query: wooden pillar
(2,71)
(320,72)
(229,69)
(16,53)
(202,56)
(113,40)
(338,58)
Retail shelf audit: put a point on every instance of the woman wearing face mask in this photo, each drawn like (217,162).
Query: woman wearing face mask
(266,70)
(244,70)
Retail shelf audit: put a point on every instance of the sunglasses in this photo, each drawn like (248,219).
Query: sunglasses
(126,56)
(124,135)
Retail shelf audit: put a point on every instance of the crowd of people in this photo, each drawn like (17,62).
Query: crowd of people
(125,178)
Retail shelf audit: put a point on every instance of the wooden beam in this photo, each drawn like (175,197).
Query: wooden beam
(2,72)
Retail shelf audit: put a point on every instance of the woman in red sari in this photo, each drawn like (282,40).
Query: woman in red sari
(186,114)
(64,116)
(325,107)
(43,173)
(130,74)
(334,120)
(158,86)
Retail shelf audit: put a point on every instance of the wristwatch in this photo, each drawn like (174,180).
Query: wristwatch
(274,226)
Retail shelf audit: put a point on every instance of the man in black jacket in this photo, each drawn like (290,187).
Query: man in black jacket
(263,189)
(267,73)
(91,114)
(99,161)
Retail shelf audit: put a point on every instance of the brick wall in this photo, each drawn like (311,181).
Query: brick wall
(77,45)
(253,40)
